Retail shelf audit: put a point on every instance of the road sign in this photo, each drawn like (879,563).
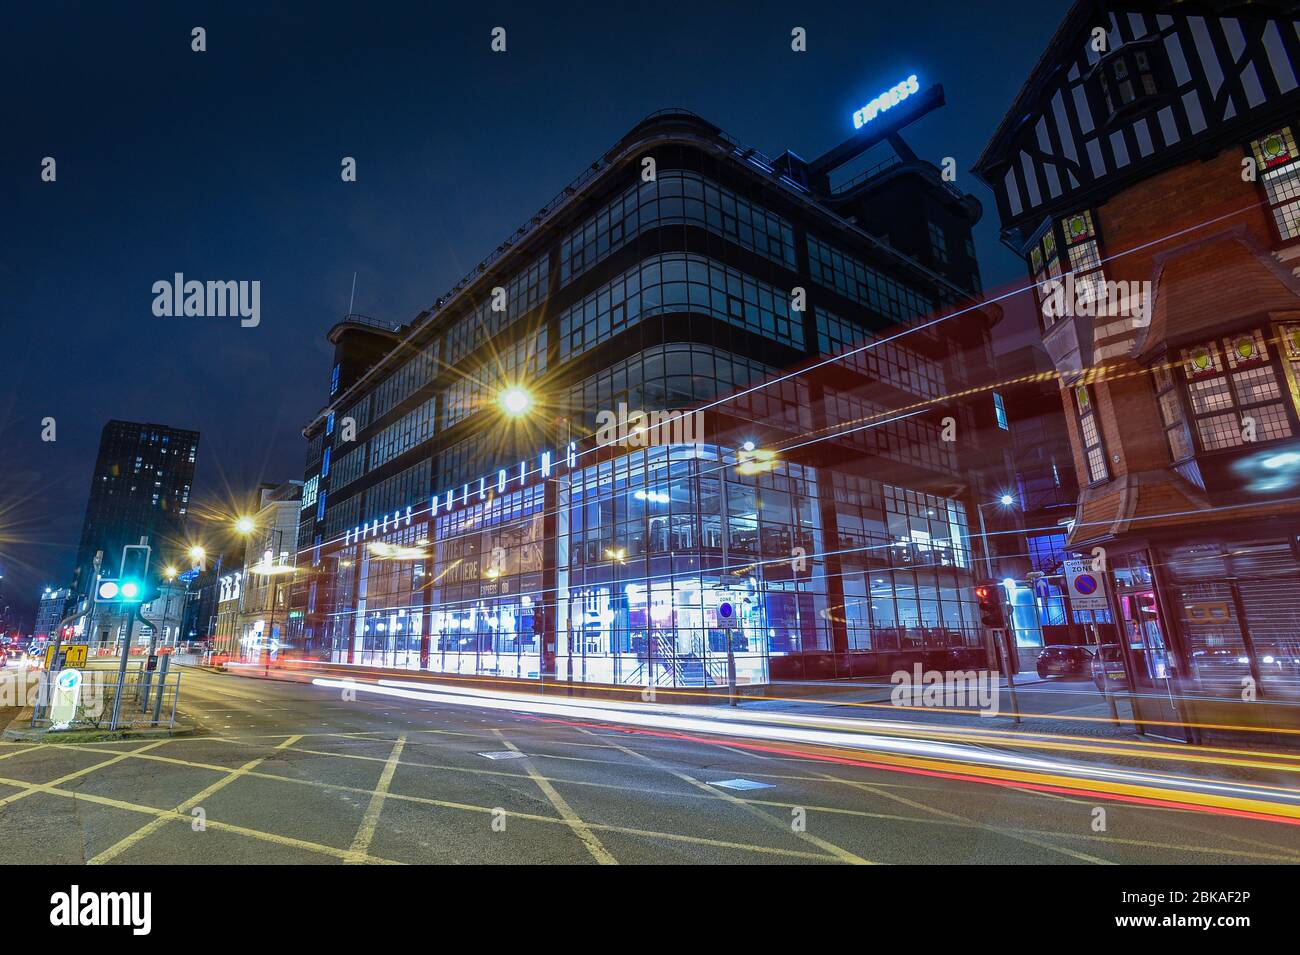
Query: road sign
(1086,587)
(1039,583)
(727,615)
(71,655)
(66,696)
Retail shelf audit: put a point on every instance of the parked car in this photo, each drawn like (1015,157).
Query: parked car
(1108,668)
(1065,661)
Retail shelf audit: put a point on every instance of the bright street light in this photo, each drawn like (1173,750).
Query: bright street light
(196,552)
(245,525)
(515,401)
(1006,500)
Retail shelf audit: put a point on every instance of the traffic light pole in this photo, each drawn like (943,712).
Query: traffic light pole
(121,666)
(1008,649)
(148,674)
(726,569)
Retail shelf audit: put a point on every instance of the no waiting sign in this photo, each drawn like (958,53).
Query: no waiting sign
(1087,590)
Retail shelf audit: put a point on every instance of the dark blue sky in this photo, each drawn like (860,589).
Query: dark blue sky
(225,165)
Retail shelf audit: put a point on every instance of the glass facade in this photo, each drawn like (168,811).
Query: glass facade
(650,544)
(646,547)
(610,566)
(677,283)
(676,197)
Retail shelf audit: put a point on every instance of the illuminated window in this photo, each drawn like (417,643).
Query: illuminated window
(1044,262)
(309,492)
(1233,392)
(1278,171)
(1090,435)
(1077,236)
(1289,337)
(1000,411)
(1083,254)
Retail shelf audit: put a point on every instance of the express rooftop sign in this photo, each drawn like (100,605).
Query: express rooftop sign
(886,100)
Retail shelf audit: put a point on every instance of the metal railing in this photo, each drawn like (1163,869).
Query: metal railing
(869,173)
(672,670)
(147,700)
(357,318)
(886,164)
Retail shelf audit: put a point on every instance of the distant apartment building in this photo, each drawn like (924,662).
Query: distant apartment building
(51,609)
(140,488)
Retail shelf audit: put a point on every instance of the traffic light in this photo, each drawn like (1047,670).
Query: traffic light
(132,584)
(990,601)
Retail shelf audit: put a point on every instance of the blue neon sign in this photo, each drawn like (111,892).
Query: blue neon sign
(886,100)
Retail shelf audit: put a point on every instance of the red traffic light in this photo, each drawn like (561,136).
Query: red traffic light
(981,592)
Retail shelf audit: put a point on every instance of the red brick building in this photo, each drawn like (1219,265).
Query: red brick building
(1148,172)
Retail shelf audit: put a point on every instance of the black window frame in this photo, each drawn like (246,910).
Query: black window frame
(1103,80)
(1079,415)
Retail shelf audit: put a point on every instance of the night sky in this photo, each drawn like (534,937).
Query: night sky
(225,165)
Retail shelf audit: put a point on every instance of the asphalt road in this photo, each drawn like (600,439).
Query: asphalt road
(295,773)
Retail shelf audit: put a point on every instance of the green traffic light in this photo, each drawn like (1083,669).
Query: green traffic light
(130,590)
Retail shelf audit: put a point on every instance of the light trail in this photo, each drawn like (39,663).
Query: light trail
(1284,762)
(379,672)
(886,749)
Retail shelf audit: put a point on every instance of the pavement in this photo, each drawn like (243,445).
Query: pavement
(298,773)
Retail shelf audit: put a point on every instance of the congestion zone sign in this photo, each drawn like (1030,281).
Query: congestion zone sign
(1085,587)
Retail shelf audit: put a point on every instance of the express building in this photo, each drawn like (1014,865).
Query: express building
(460,514)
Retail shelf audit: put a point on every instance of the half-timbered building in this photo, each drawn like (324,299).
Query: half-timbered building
(1148,173)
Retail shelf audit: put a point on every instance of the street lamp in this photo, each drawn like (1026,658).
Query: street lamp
(245,525)
(1004,500)
(515,401)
